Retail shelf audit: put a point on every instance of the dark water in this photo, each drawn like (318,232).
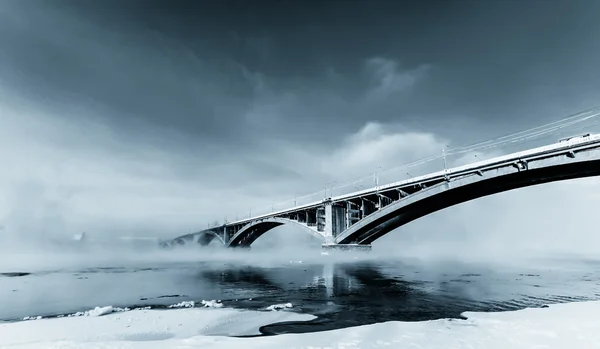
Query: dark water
(341,294)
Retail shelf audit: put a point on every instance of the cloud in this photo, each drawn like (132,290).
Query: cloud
(134,76)
(382,146)
(387,80)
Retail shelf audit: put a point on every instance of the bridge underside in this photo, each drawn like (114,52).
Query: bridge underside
(249,233)
(246,239)
(399,214)
(205,239)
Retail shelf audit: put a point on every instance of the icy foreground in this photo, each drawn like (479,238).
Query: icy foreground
(574,325)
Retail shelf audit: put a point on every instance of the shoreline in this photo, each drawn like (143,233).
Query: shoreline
(208,328)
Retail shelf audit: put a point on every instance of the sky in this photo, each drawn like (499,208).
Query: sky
(159,117)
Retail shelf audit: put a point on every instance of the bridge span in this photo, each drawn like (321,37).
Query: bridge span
(361,217)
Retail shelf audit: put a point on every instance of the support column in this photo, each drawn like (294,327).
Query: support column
(328,231)
(348,214)
(362,208)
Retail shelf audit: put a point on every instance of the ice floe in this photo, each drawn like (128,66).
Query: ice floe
(280,306)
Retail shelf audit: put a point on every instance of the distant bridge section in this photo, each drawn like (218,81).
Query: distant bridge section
(361,217)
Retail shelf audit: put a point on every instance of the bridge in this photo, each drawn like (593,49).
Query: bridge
(361,217)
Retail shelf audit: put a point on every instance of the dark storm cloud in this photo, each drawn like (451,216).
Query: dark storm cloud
(203,66)
(81,62)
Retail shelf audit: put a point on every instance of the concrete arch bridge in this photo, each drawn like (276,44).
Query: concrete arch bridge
(359,218)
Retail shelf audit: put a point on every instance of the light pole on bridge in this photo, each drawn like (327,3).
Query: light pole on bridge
(376,178)
(330,186)
(445,162)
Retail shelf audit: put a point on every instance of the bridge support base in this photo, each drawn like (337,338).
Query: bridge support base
(241,248)
(345,248)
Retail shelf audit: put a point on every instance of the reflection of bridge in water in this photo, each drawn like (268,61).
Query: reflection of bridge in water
(344,294)
(359,218)
(329,280)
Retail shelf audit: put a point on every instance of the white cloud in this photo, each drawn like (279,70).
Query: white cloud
(377,145)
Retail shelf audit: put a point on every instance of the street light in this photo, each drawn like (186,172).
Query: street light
(376,177)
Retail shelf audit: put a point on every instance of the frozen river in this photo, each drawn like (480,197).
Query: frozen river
(342,292)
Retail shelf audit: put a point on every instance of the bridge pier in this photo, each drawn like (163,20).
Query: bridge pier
(241,247)
(328,231)
(345,248)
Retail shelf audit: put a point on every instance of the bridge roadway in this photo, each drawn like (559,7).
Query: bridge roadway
(359,218)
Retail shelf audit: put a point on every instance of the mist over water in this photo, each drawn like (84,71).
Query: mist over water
(342,290)
(487,255)
(518,249)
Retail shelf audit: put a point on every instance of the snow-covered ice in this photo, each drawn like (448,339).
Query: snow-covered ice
(184,304)
(99,311)
(573,325)
(212,304)
(280,306)
(139,325)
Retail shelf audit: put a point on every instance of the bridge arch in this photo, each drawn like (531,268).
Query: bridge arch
(202,238)
(207,236)
(250,232)
(447,194)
